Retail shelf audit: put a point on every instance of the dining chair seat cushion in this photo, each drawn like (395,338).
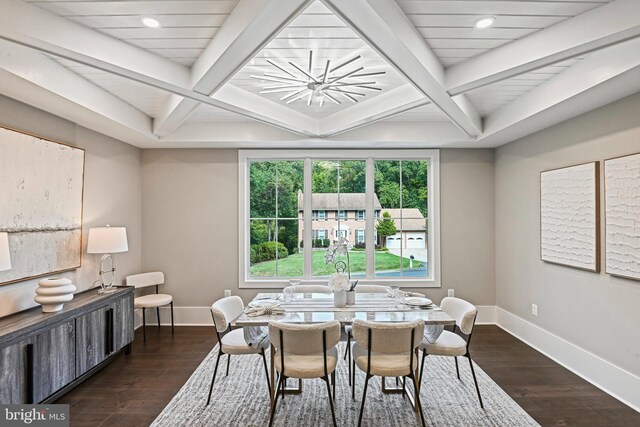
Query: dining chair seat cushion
(152,300)
(234,343)
(308,365)
(447,344)
(383,364)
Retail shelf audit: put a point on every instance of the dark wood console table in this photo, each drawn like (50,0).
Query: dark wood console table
(44,355)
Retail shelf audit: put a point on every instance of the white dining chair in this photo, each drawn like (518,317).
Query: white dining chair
(310,289)
(456,342)
(363,289)
(304,351)
(386,350)
(157,300)
(223,312)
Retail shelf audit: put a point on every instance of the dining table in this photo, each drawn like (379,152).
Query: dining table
(320,307)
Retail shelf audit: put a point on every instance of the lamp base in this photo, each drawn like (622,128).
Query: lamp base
(107,290)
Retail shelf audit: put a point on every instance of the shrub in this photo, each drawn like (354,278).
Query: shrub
(326,243)
(317,243)
(267,251)
(302,243)
(360,245)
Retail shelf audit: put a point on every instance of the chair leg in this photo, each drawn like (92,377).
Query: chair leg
(353,380)
(424,356)
(172,325)
(275,401)
(266,372)
(415,385)
(333,414)
(333,383)
(349,366)
(213,379)
(364,397)
(158,316)
(475,381)
(457,369)
(228,363)
(346,350)
(144,325)
(404,386)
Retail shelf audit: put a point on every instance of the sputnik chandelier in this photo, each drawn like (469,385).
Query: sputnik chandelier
(303,85)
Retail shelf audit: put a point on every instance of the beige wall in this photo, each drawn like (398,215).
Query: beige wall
(597,312)
(190,223)
(112,194)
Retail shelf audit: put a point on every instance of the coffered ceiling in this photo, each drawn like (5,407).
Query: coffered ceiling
(432,78)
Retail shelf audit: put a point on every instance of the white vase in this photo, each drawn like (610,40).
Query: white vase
(339,298)
(53,292)
(351,297)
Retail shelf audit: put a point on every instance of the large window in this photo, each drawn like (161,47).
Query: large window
(294,204)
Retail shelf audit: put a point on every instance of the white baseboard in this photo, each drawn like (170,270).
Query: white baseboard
(611,379)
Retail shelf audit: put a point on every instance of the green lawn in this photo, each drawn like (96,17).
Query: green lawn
(292,266)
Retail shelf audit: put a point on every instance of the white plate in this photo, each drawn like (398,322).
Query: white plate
(418,301)
(263,303)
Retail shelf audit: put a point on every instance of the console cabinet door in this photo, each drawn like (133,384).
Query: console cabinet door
(122,322)
(53,360)
(14,373)
(91,340)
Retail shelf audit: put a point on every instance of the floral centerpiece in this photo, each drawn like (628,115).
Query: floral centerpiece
(340,282)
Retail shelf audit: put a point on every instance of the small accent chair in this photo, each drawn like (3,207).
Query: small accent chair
(386,350)
(305,351)
(156,300)
(223,312)
(456,342)
(311,289)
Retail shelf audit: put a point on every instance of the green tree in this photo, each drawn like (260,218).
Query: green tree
(386,227)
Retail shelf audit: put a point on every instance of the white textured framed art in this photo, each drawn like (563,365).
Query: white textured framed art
(41,189)
(570,216)
(622,216)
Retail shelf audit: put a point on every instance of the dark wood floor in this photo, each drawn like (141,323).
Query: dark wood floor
(133,389)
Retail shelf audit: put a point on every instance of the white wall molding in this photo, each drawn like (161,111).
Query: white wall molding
(611,379)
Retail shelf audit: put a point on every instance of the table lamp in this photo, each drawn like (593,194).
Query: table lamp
(5,256)
(107,240)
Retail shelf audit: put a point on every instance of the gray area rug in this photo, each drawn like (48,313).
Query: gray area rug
(242,399)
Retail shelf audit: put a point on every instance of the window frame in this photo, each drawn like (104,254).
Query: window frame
(433,232)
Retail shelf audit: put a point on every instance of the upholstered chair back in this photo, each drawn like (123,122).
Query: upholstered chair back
(304,339)
(388,338)
(463,311)
(142,280)
(225,310)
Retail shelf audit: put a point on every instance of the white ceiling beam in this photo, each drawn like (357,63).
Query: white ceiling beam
(385,27)
(35,79)
(251,25)
(606,25)
(39,29)
(601,78)
(387,104)
(383,134)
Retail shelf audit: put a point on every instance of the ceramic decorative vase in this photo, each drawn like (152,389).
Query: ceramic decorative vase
(53,292)
(339,298)
(351,297)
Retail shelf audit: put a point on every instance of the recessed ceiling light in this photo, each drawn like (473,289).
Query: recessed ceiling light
(150,22)
(485,22)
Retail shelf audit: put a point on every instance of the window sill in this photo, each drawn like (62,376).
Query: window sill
(281,283)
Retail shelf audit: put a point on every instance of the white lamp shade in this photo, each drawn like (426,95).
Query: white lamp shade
(107,240)
(5,258)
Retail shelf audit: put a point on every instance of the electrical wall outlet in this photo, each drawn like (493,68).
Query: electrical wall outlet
(451,293)
(227,292)
(534,309)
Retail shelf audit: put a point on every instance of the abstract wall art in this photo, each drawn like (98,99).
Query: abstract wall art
(41,189)
(569,216)
(622,216)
